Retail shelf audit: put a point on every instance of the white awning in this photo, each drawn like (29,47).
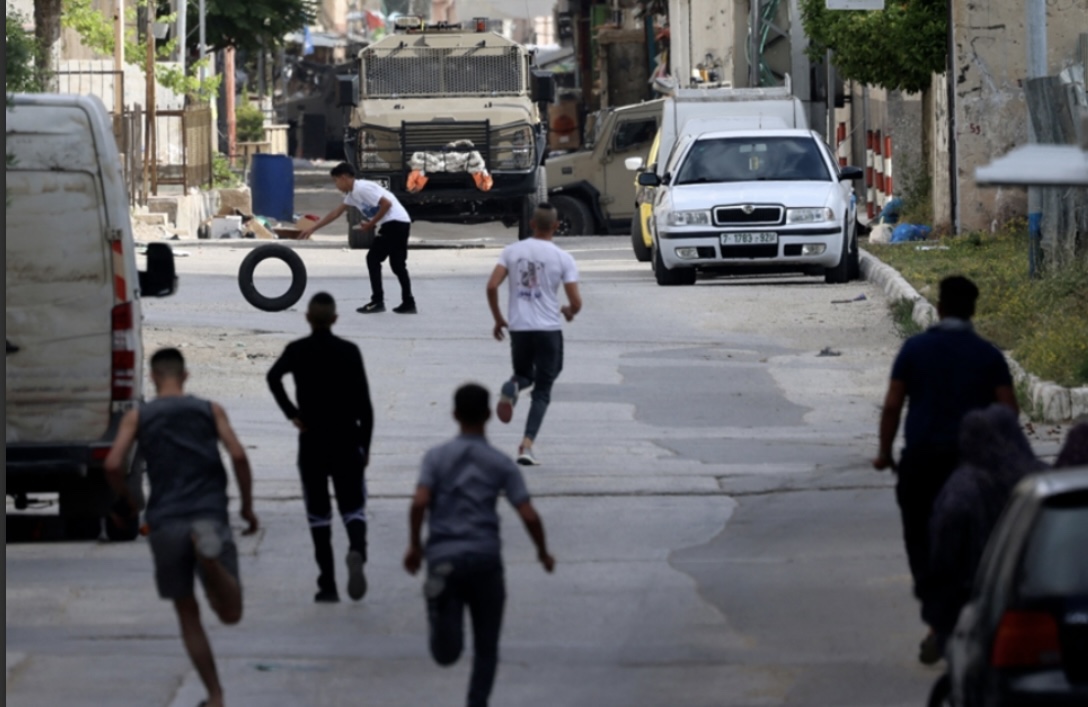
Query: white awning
(1037,165)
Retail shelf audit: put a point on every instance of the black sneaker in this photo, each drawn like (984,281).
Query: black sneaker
(371,308)
(356,578)
(406,308)
(327,596)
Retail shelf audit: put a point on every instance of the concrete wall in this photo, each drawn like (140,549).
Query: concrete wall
(989,66)
(701,34)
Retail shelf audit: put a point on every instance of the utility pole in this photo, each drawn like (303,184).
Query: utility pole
(181,7)
(1037,68)
(754,28)
(203,42)
(119,58)
(228,84)
(149,131)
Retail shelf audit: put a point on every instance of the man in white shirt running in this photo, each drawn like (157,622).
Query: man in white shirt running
(536,267)
(392,238)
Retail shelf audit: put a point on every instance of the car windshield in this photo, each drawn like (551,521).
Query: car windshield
(753,159)
(1054,563)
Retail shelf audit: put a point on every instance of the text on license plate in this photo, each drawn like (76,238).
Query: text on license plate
(757,238)
(383,182)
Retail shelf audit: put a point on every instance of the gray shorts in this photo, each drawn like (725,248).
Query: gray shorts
(175,557)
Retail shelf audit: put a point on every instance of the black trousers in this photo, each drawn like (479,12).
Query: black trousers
(538,359)
(321,459)
(475,582)
(392,243)
(921,476)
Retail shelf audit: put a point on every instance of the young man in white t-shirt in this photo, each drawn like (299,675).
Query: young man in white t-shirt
(386,212)
(536,267)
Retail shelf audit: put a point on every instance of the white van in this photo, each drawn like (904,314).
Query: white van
(697,110)
(74,353)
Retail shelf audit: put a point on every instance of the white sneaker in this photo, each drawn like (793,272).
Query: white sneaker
(526,458)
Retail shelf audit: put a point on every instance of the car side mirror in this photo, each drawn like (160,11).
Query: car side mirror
(160,279)
(649,179)
(543,86)
(633,164)
(851,173)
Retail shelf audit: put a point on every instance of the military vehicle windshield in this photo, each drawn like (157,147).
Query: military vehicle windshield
(413,71)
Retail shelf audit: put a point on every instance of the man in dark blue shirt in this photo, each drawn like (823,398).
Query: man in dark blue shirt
(946,371)
(335,420)
(459,487)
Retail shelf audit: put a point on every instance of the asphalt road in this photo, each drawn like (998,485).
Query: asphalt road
(720,537)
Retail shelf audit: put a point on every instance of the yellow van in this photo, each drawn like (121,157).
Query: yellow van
(641,239)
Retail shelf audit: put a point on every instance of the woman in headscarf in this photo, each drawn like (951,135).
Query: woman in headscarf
(1075,450)
(994,456)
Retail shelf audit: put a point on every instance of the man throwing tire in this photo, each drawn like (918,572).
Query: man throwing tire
(391,240)
(536,267)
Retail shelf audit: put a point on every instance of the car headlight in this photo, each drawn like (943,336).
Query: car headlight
(689,218)
(809,215)
(513,149)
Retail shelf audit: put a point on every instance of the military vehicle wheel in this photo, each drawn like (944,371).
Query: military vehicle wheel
(525,217)
(574,216)
(642,253)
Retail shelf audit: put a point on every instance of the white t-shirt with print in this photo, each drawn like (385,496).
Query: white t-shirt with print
(536,268)
(366,195)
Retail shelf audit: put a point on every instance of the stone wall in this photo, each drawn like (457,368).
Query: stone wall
(989,67)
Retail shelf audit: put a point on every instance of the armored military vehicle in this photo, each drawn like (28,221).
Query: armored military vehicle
(451,119)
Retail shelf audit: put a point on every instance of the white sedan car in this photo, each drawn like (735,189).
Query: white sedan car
(753,201)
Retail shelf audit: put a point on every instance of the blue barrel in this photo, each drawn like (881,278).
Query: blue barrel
(272,179)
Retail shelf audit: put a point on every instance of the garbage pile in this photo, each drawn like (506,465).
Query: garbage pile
(232,222)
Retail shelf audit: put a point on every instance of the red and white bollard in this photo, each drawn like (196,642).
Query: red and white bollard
(842,146)
(870,192)
(888,167)
(878,167)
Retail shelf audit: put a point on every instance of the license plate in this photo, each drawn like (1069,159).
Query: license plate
(757,238)
(383,182)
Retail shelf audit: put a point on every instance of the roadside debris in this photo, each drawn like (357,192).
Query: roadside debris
(859,298)
(828,351)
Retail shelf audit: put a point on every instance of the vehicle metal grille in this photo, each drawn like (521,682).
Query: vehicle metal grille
(762,215)
(441,136)
(750,251)
(433,71)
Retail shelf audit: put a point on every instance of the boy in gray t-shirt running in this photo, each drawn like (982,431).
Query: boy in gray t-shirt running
(459,486)
(179,437)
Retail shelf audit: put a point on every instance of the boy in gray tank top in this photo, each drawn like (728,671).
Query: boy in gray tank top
(178,436)
(459,487)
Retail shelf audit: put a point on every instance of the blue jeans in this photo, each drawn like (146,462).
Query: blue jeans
(475,581)
(538,359)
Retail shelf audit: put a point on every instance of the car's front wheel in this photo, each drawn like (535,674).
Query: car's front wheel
(840,273)
(666,277)
(642,253)
(575,218)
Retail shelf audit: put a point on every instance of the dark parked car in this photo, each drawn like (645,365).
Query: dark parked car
(1023,637)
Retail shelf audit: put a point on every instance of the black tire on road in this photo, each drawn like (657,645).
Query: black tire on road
(525,217)
(575,218)
(642,253)
(677,276)
(854,268)
(255,258)
(358,239)
(941,694)
(840,273)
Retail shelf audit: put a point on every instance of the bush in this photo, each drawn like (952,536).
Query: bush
(1042,322)
(222,174)
(249,123)
(22,57)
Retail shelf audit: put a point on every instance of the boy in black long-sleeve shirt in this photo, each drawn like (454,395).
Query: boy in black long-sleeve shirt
(335,420)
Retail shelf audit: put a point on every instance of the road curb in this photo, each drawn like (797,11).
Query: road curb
(1051,402)
(256,242)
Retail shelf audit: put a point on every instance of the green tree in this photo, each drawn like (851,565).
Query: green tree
(897,48)
(251,25)
(23,60)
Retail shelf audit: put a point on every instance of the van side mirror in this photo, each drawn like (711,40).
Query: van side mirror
(649,179)
(543,86)
(160,279)
(347,91)
(850,173)
(633,164)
